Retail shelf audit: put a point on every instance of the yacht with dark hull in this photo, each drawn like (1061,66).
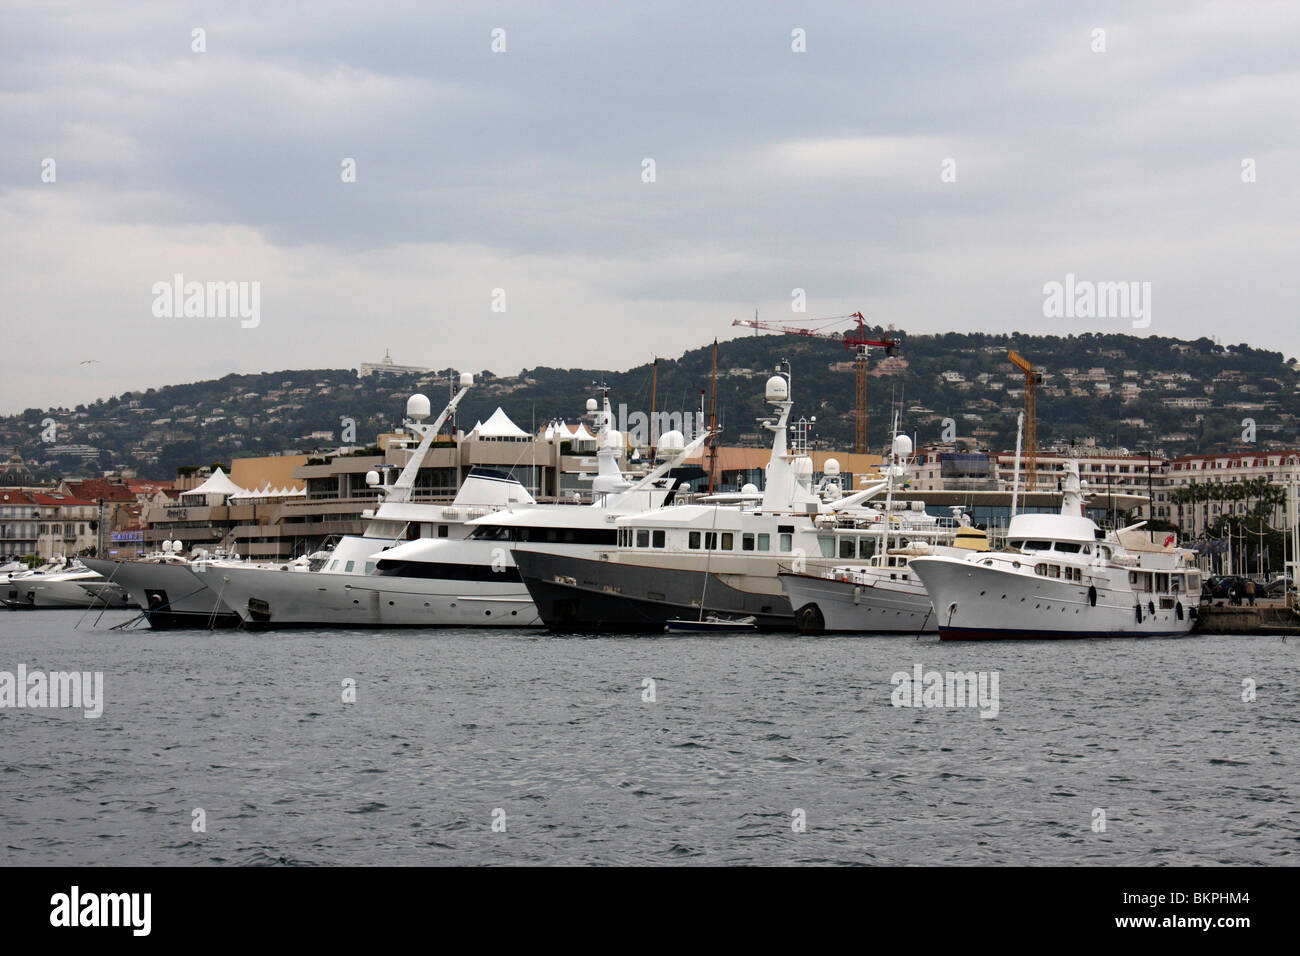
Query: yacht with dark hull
(718,558)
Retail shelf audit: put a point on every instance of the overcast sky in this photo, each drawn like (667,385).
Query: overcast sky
(523,171)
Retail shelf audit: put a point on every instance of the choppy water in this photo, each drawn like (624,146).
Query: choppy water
(449,726)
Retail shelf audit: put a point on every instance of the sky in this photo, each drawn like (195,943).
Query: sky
(591,185)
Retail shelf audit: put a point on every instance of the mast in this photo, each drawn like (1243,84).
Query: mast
(713,420)
(654,395)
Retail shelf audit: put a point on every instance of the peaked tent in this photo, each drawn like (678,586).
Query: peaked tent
(499,425)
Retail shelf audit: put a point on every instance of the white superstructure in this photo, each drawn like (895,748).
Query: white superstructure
(1062,576)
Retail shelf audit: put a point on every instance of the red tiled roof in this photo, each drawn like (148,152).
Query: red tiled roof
(57,499)
(15,498)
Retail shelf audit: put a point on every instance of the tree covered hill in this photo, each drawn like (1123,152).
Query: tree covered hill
(1158,393)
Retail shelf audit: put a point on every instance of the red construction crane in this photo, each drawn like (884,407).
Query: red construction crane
(856,341)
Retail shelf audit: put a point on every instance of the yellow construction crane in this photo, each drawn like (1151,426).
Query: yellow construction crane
(1032,380)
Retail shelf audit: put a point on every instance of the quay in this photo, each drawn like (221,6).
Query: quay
(1266,617)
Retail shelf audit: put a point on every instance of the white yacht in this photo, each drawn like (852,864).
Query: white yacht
(718,558)
(1062,576)
(883,595)
(163,585)
(463,575)
(68,586)
(175,591)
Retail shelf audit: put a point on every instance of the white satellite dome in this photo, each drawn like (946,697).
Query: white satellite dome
(613,439)
(592,405)
(466,379)
(902,446)
(417,407)
(372,478)
(802,467)
(749,488)
(672,442)
(778,389)
(832,468)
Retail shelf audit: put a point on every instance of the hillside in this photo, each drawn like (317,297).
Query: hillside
(1158,393)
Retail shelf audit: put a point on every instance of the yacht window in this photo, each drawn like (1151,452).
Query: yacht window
(787,542)
(1068,547)
(847,546)
(1036,546)
(764,542)
(866,547)
(747,543)
(728,541)
(347,569)
(370,566)
(1053,570)
(1040,570)
(657,539)
(442,531)
(827,544)
(334,564)
(693,541)
(710,541)
(642,538)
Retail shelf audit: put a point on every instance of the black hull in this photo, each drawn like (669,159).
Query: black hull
(182,621)
(604,597)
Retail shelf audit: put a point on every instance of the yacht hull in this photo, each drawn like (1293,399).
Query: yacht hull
(272,599)
(828,605)
(580,594)
(171,595)
(37,593)
(975,603)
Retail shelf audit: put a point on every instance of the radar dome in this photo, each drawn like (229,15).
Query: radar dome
(417,407)
(749,489)
(832,468)
(802,467)
(902,446)
(466,379)
(672,442)
(778,389)
(372,478)
(613,439)
(592,405)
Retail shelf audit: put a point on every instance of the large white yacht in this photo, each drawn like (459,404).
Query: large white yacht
(174,590)
(719,557)
(1063,576)
(463,576)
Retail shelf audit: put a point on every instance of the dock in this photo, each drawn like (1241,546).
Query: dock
(1265,617)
